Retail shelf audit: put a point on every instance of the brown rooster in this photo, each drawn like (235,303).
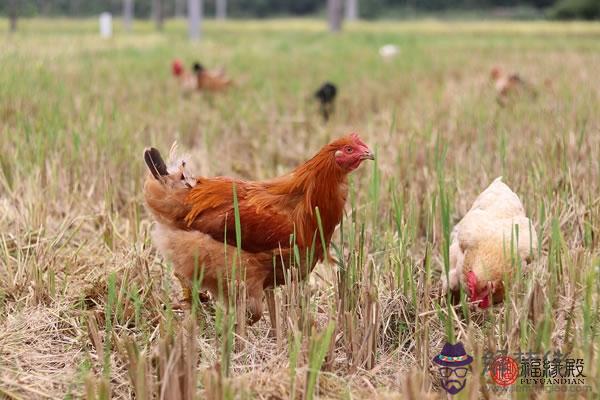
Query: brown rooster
(196,224)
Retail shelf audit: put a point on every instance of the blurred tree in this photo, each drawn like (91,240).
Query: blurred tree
(157,13)
(127,14)
(351,10)
(269,8)
(334,15)
(195,18)
(371,9)
(12,14)
(45,7)
(221,9)
(179,8)
(576,9)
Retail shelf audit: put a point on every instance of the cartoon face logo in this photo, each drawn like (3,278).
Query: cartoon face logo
(453,364)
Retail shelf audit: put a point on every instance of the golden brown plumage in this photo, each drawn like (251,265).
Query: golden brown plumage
(212,81)
(196,217)
(508,85)
(199,79)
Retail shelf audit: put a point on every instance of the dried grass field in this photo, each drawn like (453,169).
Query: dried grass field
(86,302)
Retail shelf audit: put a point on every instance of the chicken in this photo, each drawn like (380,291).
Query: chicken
(388,51)
(200,79)
(326,96)
(508,85)
(187,81)
(213,81)
(196,224)
(487,243)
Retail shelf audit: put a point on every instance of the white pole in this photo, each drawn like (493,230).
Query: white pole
(195,19)
(105,25)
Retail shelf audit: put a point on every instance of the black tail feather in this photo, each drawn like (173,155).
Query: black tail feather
(155,163)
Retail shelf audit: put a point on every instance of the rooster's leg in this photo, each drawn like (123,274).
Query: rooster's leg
(186,301)
(254,305)
(186,290)
(204,297)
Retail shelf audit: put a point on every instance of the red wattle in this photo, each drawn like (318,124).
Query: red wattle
(472,285)
(474,295)
(485,298)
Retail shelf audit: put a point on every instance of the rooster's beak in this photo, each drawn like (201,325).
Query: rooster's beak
(367,155)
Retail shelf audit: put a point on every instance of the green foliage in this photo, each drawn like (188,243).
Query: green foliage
(575,9)
(368,9)
(318,349)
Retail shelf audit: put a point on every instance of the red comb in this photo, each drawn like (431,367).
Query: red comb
(357,139)
(177,67)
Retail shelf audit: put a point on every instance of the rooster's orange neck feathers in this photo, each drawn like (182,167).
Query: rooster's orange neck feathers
(321,183)
(318,183)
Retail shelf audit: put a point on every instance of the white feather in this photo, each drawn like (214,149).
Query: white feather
(497,214)
(178,163)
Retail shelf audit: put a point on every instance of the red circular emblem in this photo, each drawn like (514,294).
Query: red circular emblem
(504,370)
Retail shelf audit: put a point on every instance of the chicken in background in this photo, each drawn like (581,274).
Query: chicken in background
(199,78)
(487,244)
(196,225)
(187,81)
(213,81)
(326,97)
(388,51)
(509,85)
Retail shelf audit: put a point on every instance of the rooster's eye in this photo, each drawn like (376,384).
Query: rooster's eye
(349,149)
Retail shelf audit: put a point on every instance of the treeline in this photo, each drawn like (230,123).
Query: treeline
(587,9)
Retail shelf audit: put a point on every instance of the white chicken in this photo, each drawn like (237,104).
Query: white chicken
(487,243)
(388,51)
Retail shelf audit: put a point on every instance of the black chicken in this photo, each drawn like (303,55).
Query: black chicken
(326,96)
